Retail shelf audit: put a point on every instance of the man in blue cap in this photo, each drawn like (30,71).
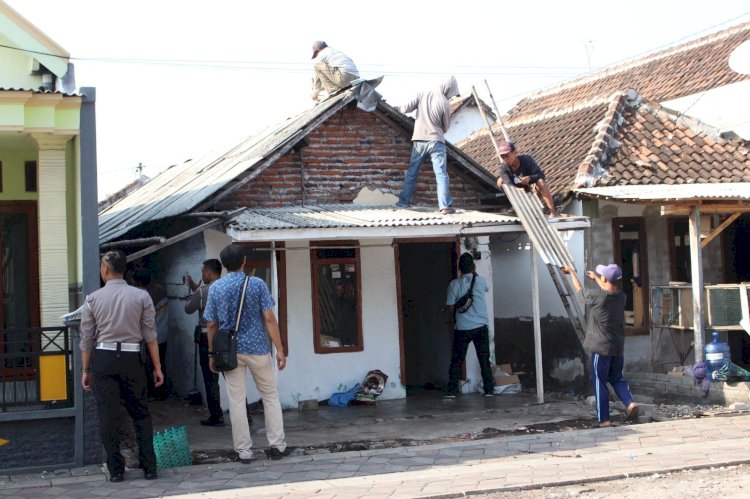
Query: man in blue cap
(605,338)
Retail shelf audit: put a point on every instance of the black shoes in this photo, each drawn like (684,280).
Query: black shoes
(277,454)
(212,422)
(150,475)
(116,477)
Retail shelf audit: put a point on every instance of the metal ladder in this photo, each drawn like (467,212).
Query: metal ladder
(551,248)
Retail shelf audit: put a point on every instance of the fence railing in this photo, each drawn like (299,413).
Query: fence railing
(36,369)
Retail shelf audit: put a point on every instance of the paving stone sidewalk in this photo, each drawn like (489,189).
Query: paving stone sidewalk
(452,469)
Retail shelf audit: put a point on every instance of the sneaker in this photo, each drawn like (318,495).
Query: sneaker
(489,395)
(116,477)
(447,210)
(212,422)
(449,396)
(246,460)
(277,454)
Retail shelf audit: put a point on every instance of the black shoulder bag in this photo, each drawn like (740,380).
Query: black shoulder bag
(464,303)
(225,341)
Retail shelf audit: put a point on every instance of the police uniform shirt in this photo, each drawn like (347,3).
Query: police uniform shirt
(117,312)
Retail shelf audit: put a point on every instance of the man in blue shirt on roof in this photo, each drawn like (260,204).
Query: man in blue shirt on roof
(257,325)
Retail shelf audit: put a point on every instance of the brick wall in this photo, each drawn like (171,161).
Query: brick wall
(351,150)
(665,388)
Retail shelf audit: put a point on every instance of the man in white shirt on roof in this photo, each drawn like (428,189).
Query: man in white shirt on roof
(333,69)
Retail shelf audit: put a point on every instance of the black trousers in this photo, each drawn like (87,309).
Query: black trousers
(210,380)
(119,378)
(461,339)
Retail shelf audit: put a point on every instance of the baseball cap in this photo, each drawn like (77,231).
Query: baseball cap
(506,147)
(318,45)
(611,272)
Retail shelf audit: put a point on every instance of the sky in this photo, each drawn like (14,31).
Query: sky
(176,80)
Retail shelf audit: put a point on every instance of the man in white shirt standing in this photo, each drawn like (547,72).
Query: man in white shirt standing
(333,69)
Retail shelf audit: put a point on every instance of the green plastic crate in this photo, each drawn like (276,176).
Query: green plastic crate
(172,449)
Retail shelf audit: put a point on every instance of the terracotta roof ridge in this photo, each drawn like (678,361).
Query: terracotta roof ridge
(605,143)
(562,111)
(511,122)
(635,62)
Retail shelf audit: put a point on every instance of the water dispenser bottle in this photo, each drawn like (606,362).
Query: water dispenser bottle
(717,356)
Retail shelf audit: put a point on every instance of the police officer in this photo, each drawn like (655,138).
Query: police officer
(114,322)
(210,273)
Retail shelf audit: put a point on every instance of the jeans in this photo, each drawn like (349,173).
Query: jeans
(119,378)
(461,340)
(210,380)
(261,368)
(420,150)
(608,369)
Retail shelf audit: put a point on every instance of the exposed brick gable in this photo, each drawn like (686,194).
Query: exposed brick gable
(351,150)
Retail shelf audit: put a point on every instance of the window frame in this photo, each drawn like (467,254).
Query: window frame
(315,262)
(644,329)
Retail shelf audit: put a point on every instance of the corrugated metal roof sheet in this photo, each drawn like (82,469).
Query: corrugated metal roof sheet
(182,187)
(670,193)
(39,91)
(360,216)
(551,248)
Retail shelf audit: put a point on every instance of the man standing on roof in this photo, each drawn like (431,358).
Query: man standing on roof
(432,122)
(522,171)
(333,69)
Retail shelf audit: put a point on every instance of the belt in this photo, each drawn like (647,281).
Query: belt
(117,346)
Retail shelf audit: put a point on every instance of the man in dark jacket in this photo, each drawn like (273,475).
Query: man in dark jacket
(522,171)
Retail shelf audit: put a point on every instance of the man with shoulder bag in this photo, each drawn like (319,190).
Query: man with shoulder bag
(240,320)
(210,273)
(466,298)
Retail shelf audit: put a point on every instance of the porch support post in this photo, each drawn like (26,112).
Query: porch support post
(696,270)
(53,228)
(537,328)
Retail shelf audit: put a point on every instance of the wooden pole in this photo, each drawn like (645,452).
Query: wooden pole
(696,270)
(497,113)
(486,123)
(538,370)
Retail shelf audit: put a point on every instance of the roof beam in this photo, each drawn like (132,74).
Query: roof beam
(726,208)
(718,230)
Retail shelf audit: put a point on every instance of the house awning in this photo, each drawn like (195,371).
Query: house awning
(671,194)
(373,221)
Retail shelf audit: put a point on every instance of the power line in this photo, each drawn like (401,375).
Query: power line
(414,70)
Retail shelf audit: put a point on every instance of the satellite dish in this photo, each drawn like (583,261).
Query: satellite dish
(739,59)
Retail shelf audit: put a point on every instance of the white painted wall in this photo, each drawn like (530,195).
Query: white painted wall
(512,277)
(464,123)
(316,376)
(309,375)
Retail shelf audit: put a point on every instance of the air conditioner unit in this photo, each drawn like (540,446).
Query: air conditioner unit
(724,303)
